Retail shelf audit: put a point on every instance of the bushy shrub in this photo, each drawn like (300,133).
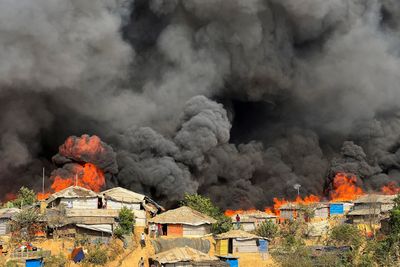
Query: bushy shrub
(267,229)
(97,256)
(346,234)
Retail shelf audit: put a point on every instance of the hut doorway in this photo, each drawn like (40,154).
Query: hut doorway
(230,246)
(165,229)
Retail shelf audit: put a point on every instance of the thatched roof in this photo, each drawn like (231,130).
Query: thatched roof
(73,192)
(238,234)
(123,195)
(183,254)
(183,215)
(375,198)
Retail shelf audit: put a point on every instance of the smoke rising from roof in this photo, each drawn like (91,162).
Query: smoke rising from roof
(239,100)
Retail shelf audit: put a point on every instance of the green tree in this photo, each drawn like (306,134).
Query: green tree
(267,229)
(206,206)
(25,197)
(126,220)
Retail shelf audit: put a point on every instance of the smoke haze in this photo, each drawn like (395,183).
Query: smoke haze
(238,100)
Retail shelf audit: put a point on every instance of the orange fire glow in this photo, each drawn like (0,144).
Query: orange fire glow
(87,176)
(234,212)
(85,145)
(390,189)
(9,197)
(345,188)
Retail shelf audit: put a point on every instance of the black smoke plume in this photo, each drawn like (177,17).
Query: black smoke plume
(238,100)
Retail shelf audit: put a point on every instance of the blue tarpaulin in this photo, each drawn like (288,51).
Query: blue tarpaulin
(336,209)
(77,255)
(263,245)
(34,263)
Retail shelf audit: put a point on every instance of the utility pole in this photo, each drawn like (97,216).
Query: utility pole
(297,187)
(43,182)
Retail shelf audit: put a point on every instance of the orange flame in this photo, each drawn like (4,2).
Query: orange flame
(87,176)
(345,188)
(390,189)
(230,213)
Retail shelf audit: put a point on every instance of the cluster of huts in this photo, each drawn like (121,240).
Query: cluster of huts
(368,212)
(77,211)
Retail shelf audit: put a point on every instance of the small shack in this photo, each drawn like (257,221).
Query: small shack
(186,257)
(183,221)
(250,220)
(5,218)
(74,197)
(371,208)
(308,212)
(118,197)
(239,241)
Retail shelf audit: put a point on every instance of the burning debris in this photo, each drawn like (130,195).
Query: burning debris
(84,161)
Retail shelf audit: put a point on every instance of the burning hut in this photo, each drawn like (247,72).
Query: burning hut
(369,210)
(309,212)
(5,218)
(239,241)
(183,221)
(186,257)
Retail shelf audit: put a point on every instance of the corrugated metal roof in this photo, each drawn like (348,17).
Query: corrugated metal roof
(364,212)
(73,192)
(105,228)
(123,195)
(183,254)
(295,206)
(238,234)
(253,216)
(375,198)
(8,213)
(183,215)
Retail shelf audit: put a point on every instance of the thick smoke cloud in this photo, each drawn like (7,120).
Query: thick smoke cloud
(308,87)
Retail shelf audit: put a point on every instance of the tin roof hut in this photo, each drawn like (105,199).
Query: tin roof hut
(238,241)
(118,197)
(5,217)
(186,257)
(371,209)
(183,221)
(74,197)
(250,220)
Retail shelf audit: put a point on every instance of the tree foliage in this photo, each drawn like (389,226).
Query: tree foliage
(267,229)
(206,206)
(126,220)
(25,197)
